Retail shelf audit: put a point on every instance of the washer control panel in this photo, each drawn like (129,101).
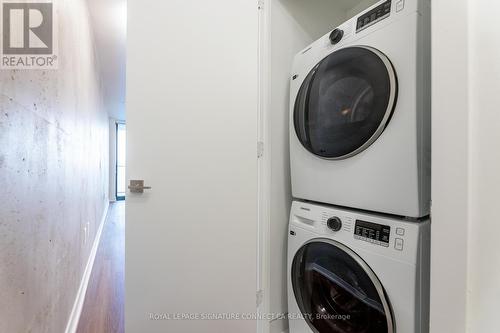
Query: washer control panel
(373,233)
(373,16)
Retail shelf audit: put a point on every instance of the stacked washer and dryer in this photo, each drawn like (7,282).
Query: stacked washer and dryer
(359,233)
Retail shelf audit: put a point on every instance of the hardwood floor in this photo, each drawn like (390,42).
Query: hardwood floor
(103,309)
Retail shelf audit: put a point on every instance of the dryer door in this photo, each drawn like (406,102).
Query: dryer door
(337,292)
(345,102)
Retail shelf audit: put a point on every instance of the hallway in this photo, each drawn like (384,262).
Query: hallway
(103,310)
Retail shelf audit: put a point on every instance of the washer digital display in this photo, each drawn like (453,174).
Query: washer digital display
(372,232)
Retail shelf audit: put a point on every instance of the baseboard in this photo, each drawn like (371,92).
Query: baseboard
(74,317)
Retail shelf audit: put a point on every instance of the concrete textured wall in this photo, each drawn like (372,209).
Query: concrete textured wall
(53,179)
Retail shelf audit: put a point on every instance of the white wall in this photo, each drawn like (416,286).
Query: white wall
(287,38)
(109,19)
(360,7)
(315,17)
(53,179)
(450,165)
(465,294)
(484,157)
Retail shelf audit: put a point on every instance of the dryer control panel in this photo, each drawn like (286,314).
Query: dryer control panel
(373,16)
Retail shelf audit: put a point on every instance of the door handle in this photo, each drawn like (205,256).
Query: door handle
(137,186)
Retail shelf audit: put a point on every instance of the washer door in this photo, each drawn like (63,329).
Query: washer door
(345,102)
(337,292)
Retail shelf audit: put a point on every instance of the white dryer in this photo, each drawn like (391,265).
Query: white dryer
(360,112)
(359,273)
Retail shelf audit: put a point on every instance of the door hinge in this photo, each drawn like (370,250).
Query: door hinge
(260,4)
(260,149)
(260,296)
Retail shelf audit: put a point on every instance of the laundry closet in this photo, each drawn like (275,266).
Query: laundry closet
(287,28)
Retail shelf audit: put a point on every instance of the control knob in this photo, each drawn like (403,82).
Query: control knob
(334,223)
(336,36)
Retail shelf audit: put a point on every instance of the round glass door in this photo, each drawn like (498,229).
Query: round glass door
(337,292)
(345,102)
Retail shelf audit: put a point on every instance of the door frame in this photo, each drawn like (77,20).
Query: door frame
(264,168)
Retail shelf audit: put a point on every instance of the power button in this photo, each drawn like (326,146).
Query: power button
(400,5)
(398,244)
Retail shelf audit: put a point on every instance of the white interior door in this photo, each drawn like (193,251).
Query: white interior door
(191,240)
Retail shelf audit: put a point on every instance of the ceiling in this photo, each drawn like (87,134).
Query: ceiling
(109,22)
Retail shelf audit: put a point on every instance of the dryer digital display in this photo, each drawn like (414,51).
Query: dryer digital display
(372,232)
(373,16)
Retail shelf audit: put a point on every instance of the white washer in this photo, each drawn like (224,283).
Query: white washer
(356,272)
(360,112)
